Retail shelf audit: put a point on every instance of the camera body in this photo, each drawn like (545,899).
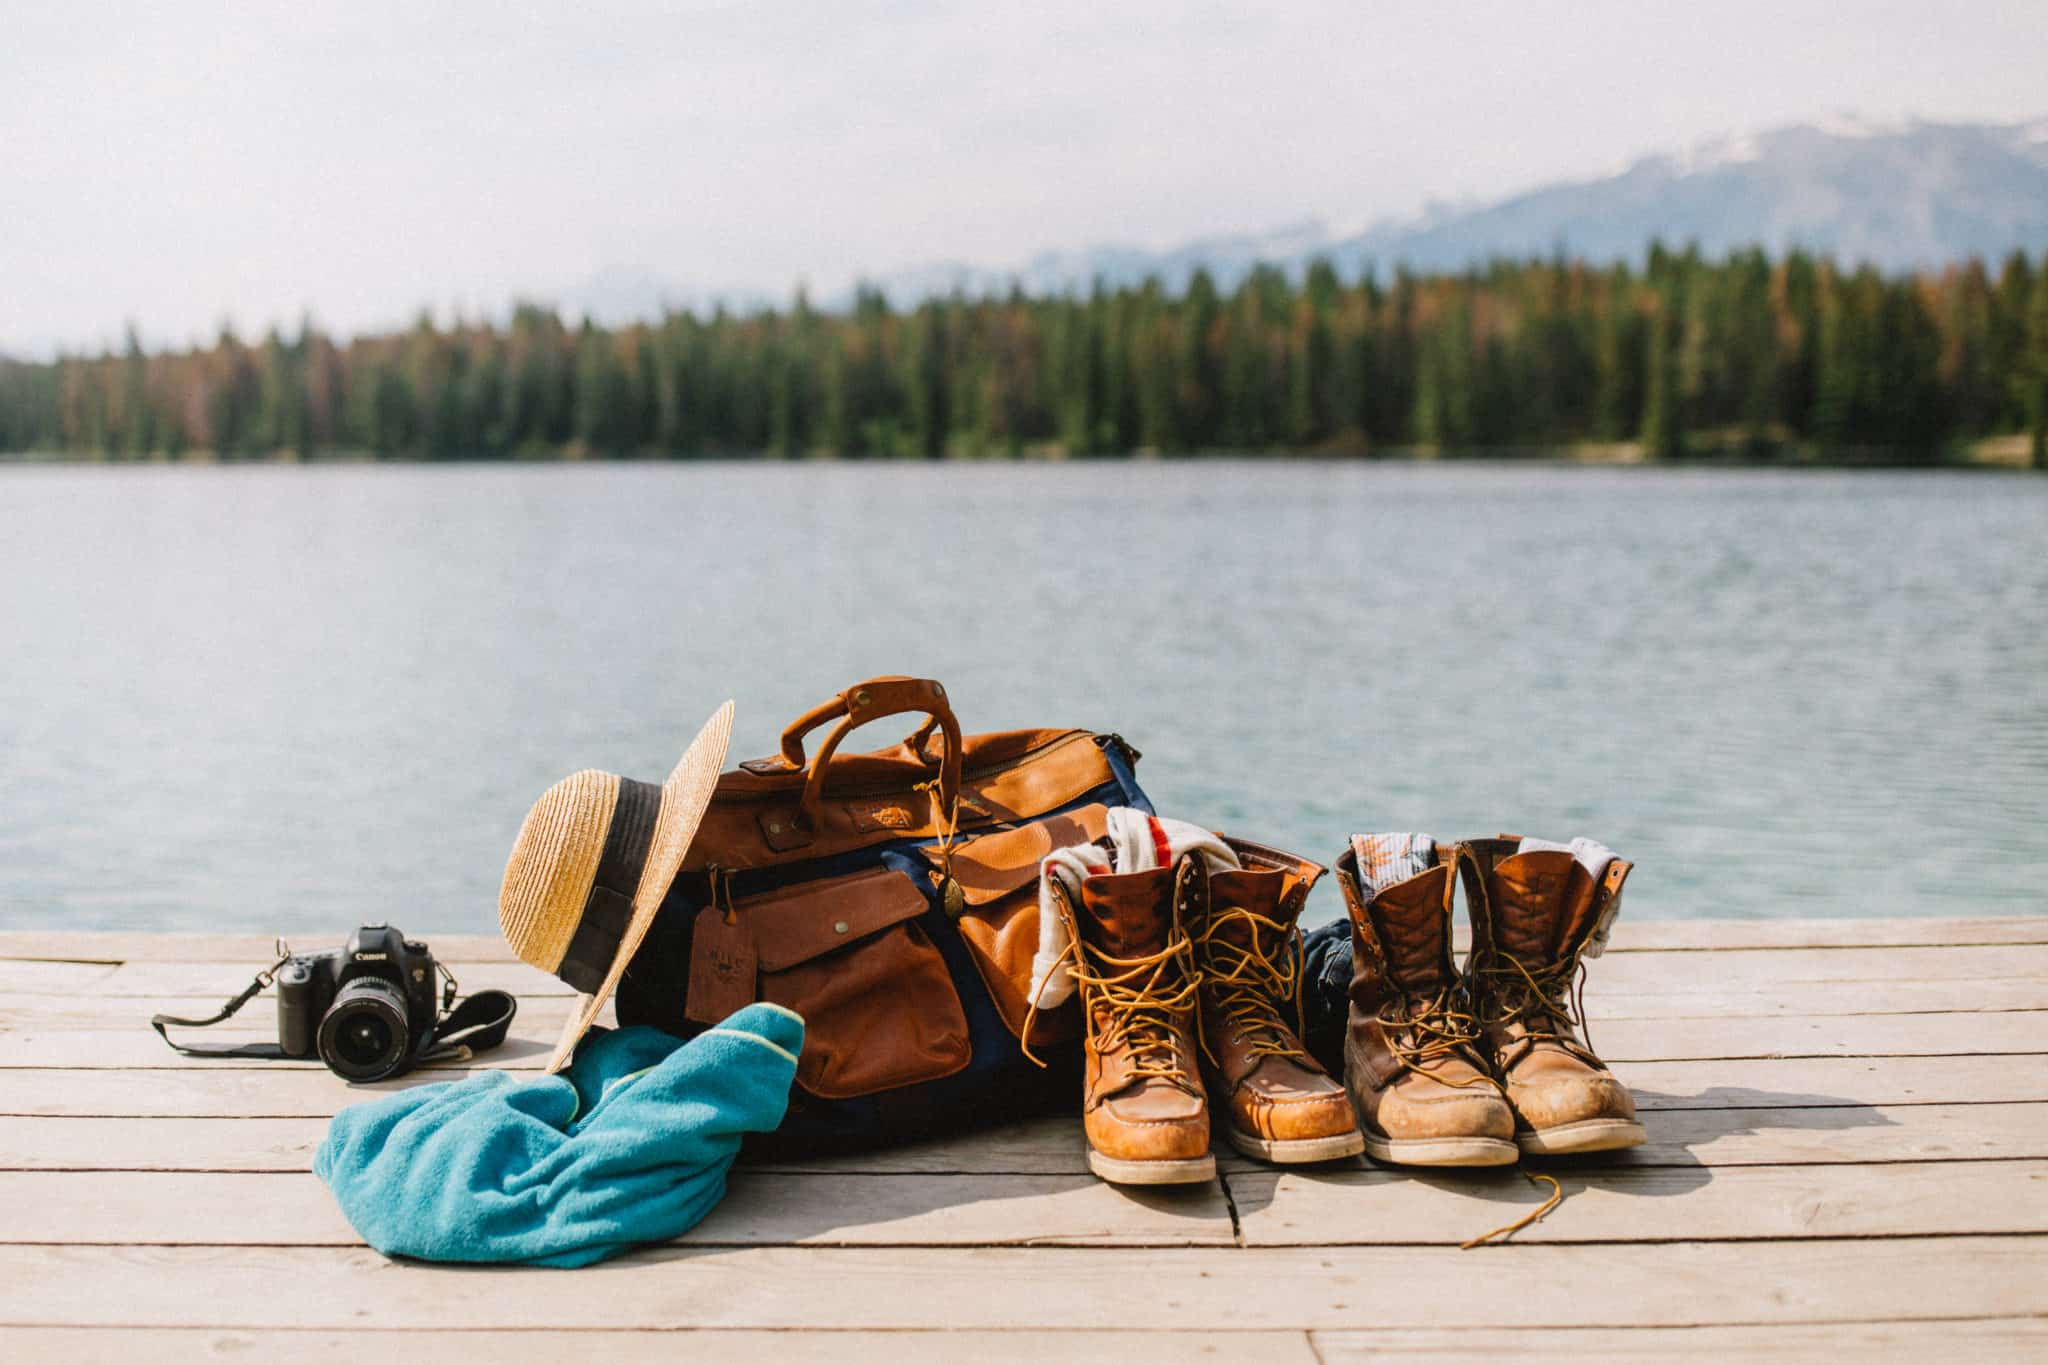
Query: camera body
(365,1008)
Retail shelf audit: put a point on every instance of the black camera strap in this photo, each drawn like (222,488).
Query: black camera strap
(476,1025)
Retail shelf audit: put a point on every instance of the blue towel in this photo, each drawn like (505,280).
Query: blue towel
(630,1144)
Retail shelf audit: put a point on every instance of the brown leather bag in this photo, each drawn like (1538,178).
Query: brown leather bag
(891,899)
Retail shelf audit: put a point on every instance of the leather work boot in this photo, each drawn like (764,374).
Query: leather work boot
(1142,1104)
(1274,1100)
(1534,917)
(1412,1062)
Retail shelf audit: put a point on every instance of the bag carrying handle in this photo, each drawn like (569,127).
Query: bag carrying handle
(859,704)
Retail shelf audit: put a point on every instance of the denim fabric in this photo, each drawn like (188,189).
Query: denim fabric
(1326,992)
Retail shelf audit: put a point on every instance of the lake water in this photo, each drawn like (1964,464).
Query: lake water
(296,698)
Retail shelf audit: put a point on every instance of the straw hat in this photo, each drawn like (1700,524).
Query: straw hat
(592,864)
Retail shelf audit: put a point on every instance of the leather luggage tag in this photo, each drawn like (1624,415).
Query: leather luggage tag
(723,962)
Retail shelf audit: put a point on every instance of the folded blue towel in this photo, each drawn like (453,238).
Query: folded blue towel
(630,1144)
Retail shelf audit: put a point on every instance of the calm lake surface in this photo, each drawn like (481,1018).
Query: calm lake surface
(293,699)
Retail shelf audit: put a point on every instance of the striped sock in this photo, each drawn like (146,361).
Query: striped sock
(1387,859)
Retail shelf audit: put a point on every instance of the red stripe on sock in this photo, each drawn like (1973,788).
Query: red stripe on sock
(1161,850)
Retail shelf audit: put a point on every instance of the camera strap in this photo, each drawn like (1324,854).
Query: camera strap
(227,1011)
(476,1025)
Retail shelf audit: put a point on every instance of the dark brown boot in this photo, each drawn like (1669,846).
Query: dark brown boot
(1143,1109)
(1412,1068)
(1275,1102)
(1533,917)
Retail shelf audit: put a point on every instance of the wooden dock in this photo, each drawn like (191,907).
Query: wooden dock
(1848,1154)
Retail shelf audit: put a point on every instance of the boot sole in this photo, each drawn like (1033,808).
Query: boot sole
(1587,1135)
(1465,1151)
(1183,1171)
(1297,1151)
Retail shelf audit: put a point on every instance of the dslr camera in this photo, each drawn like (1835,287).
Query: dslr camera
(367,1008)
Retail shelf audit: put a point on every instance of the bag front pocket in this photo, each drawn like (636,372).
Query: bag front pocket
(847,954)
(998,877)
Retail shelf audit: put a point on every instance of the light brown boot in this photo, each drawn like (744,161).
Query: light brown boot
(1274,1101)
(1143,1109)
(1533,916)
(1412,1065)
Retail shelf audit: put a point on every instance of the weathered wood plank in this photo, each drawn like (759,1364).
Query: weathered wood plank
(254,950)
(1631,935)
(1323,1208)
(1619,1041)
(1377,1207)
(139,1049)
(58,978)
(1641,972)
(269,1090)
(1071,1346)
(257,1019)
(91,1012)
(760,1209)
(1721,935)
(1992,1339)
(221,979)
(982,1288)
(69,1144)
(1054,1146)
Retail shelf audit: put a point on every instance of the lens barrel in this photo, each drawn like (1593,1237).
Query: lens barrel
(364,1035)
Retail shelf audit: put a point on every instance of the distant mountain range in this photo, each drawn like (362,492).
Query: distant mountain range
(1898,195)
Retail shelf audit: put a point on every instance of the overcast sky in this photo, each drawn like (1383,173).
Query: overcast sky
(177,163)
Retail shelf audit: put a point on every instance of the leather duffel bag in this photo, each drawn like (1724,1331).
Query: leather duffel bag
(891,899)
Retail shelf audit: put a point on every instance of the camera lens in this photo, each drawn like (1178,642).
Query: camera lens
(364,1035)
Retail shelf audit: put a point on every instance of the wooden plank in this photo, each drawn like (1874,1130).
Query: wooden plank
(1631,935)
(984,1288)
(252,950)
(1818,1082)
(58,978)
(1834,1135)
(1054,1146)
(1653,935)
(1983,1339)
(221,979)
(66,1144)
(526,1048)
(1713,1000)
(1379,1207)
(265,1090)
(1867,1035)
(88,1011)
(1619,1041)
(368,1346)
(760,1209)
(1634,973)
(1274,1208)
(1757,969)
(1046,1146)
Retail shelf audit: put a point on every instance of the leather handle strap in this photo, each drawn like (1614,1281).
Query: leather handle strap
(855,707)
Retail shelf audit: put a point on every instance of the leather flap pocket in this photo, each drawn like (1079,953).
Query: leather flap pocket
(990,867)
(797,923)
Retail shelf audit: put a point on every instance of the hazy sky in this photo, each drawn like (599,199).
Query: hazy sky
(175,163)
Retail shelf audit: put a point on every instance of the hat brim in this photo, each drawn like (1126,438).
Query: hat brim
(684,797)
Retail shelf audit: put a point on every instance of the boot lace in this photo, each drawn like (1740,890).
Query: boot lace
(1141,1006)
(1247,981)
(1425,1033)
(1549,1004)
